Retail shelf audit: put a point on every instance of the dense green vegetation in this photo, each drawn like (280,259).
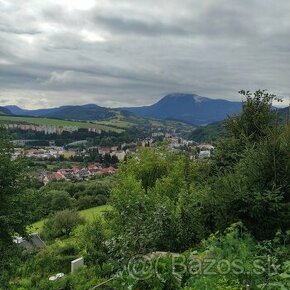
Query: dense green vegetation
(57,196)
(13,217)
(208,133)
(221,223)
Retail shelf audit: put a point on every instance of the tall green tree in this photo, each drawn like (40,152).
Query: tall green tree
(148,167)
(252,170)
(13,214)
(248,128)
(256,118)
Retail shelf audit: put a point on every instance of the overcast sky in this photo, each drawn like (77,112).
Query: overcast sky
(121,52)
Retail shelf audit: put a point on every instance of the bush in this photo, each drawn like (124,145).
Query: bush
(85,201)
(60,200)
(61,224)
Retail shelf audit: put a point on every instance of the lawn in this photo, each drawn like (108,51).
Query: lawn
(58,122)
(88,214)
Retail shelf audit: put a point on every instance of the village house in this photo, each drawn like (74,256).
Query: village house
(157,134)
(76,173)
(126,146)
(84,173)
(119,154)
(205,150)
(109,170)
(104,150)
(205,147)
(44,153)
(48,177)
(147,142)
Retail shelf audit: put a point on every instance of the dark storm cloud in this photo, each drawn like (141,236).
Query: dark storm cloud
(133,52)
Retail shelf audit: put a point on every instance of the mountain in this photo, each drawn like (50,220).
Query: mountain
(22,112)
(284,114)
(88,112)
(189,108)
(5,111)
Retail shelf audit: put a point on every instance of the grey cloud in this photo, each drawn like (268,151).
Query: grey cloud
(132,53)
(127,25)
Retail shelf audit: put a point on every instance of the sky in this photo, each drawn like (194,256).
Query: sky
(130,53)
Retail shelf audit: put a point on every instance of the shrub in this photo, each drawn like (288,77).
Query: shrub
(61,224)
(60,200)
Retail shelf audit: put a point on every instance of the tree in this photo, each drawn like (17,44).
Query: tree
(147,168)
(246,129)
(13,216)
(256,117)
(61,224)
(147,215)
(60,200)
(91,241)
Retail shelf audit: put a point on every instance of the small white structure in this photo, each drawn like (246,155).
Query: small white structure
(204,154)
(56,277)
(76,264)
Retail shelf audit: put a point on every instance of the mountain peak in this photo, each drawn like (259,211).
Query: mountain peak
(185,97)
(189,108)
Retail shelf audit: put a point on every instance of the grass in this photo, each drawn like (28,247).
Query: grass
(58,122)
(121,121)
(88,214)
(95,212)
(123,124)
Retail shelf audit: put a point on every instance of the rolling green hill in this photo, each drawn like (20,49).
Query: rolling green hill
(84,113)
(90,112)
(208,133)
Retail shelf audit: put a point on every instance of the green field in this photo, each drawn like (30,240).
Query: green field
(117,124)
(58,122)
(123,124)
(88,214)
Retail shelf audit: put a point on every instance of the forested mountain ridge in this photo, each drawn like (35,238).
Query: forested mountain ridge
(5,111)
(88,112)
(189,108)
